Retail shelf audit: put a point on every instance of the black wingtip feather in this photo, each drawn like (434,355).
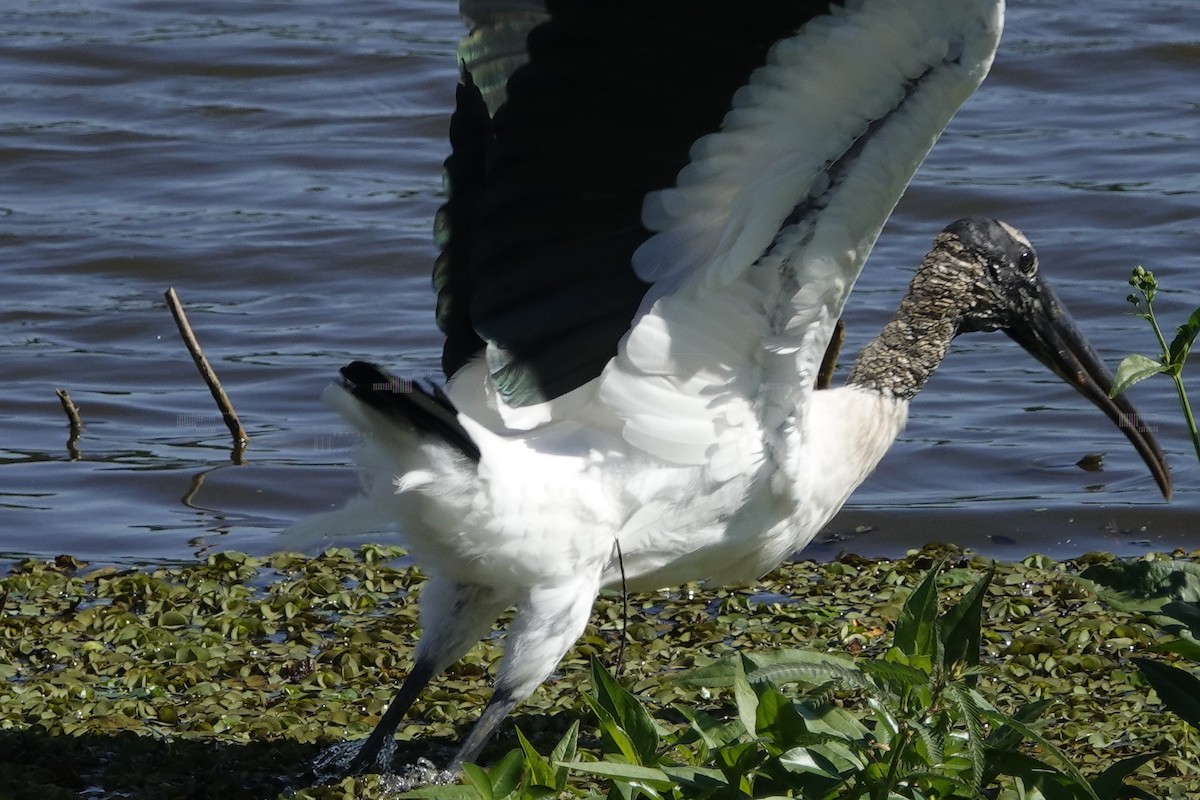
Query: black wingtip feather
(421,404)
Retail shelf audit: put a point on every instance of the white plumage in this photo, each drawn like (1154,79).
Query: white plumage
(700,451)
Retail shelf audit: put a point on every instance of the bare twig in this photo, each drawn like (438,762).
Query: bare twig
(74,419)
(210,377)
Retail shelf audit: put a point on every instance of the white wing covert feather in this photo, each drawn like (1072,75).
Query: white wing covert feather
(747,283)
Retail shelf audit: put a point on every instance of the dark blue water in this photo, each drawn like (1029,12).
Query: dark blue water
(279,163)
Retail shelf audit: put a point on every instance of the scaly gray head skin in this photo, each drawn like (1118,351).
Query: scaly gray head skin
(982,275)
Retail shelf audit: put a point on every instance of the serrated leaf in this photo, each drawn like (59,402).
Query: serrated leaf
(809,667)
(1131,370)
(896,675)
(972,707)
(1179,690)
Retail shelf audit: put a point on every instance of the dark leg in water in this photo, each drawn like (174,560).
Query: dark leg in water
(410,690)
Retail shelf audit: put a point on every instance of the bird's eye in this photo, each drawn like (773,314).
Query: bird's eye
(1026,261)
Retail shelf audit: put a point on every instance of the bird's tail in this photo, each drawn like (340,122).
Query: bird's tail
(410,430)
(421,404)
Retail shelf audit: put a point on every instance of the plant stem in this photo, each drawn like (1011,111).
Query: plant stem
(884,791)
(1145,283)
(1187,411)
(1176,375)
(1162,342)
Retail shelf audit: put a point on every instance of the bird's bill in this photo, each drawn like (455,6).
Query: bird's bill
(1051,336)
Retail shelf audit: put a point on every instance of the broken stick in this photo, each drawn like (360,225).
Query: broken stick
(210,377)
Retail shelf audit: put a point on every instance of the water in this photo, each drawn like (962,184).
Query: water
(278,164)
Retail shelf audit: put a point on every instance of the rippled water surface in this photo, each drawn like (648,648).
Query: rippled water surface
(279,163)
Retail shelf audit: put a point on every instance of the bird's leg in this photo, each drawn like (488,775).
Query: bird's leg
(417,680)
(454,616)
(546,625)
(497,709)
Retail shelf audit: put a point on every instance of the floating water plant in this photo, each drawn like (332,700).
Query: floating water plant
(230,676)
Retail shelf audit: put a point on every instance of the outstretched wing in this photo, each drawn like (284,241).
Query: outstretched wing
(547,185)
(677,195)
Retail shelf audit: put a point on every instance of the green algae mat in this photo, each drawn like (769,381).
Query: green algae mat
(229,678)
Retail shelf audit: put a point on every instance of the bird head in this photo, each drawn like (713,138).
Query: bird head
(986,274)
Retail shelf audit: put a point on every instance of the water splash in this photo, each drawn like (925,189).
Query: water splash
(332,762)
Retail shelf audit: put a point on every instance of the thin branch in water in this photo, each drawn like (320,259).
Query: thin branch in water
(210,377)
(74,419)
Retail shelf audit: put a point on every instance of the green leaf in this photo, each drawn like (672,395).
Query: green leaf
(777,719)
(538,770)
(806,760)
(479,780)
(1133,369)
(1184,648)
(896,675)
(747,701)
(916,630)
(630,773)
(687,775)
(712,731)
(1068,769)
(1006,739)
(958,628)
(1187,613)
(1164,578)
(612,734)
(628,713)
(1108,784)
(1029,773)
(505,774)
(564,751)
(1185,334)
(737,761)
(810,667)
(1179,690)
(972,707)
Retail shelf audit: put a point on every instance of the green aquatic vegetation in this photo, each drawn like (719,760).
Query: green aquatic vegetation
(1168,591)
(909,724)
(229,677)
(1173,356)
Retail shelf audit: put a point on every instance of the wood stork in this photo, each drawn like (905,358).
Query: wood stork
(657,209)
